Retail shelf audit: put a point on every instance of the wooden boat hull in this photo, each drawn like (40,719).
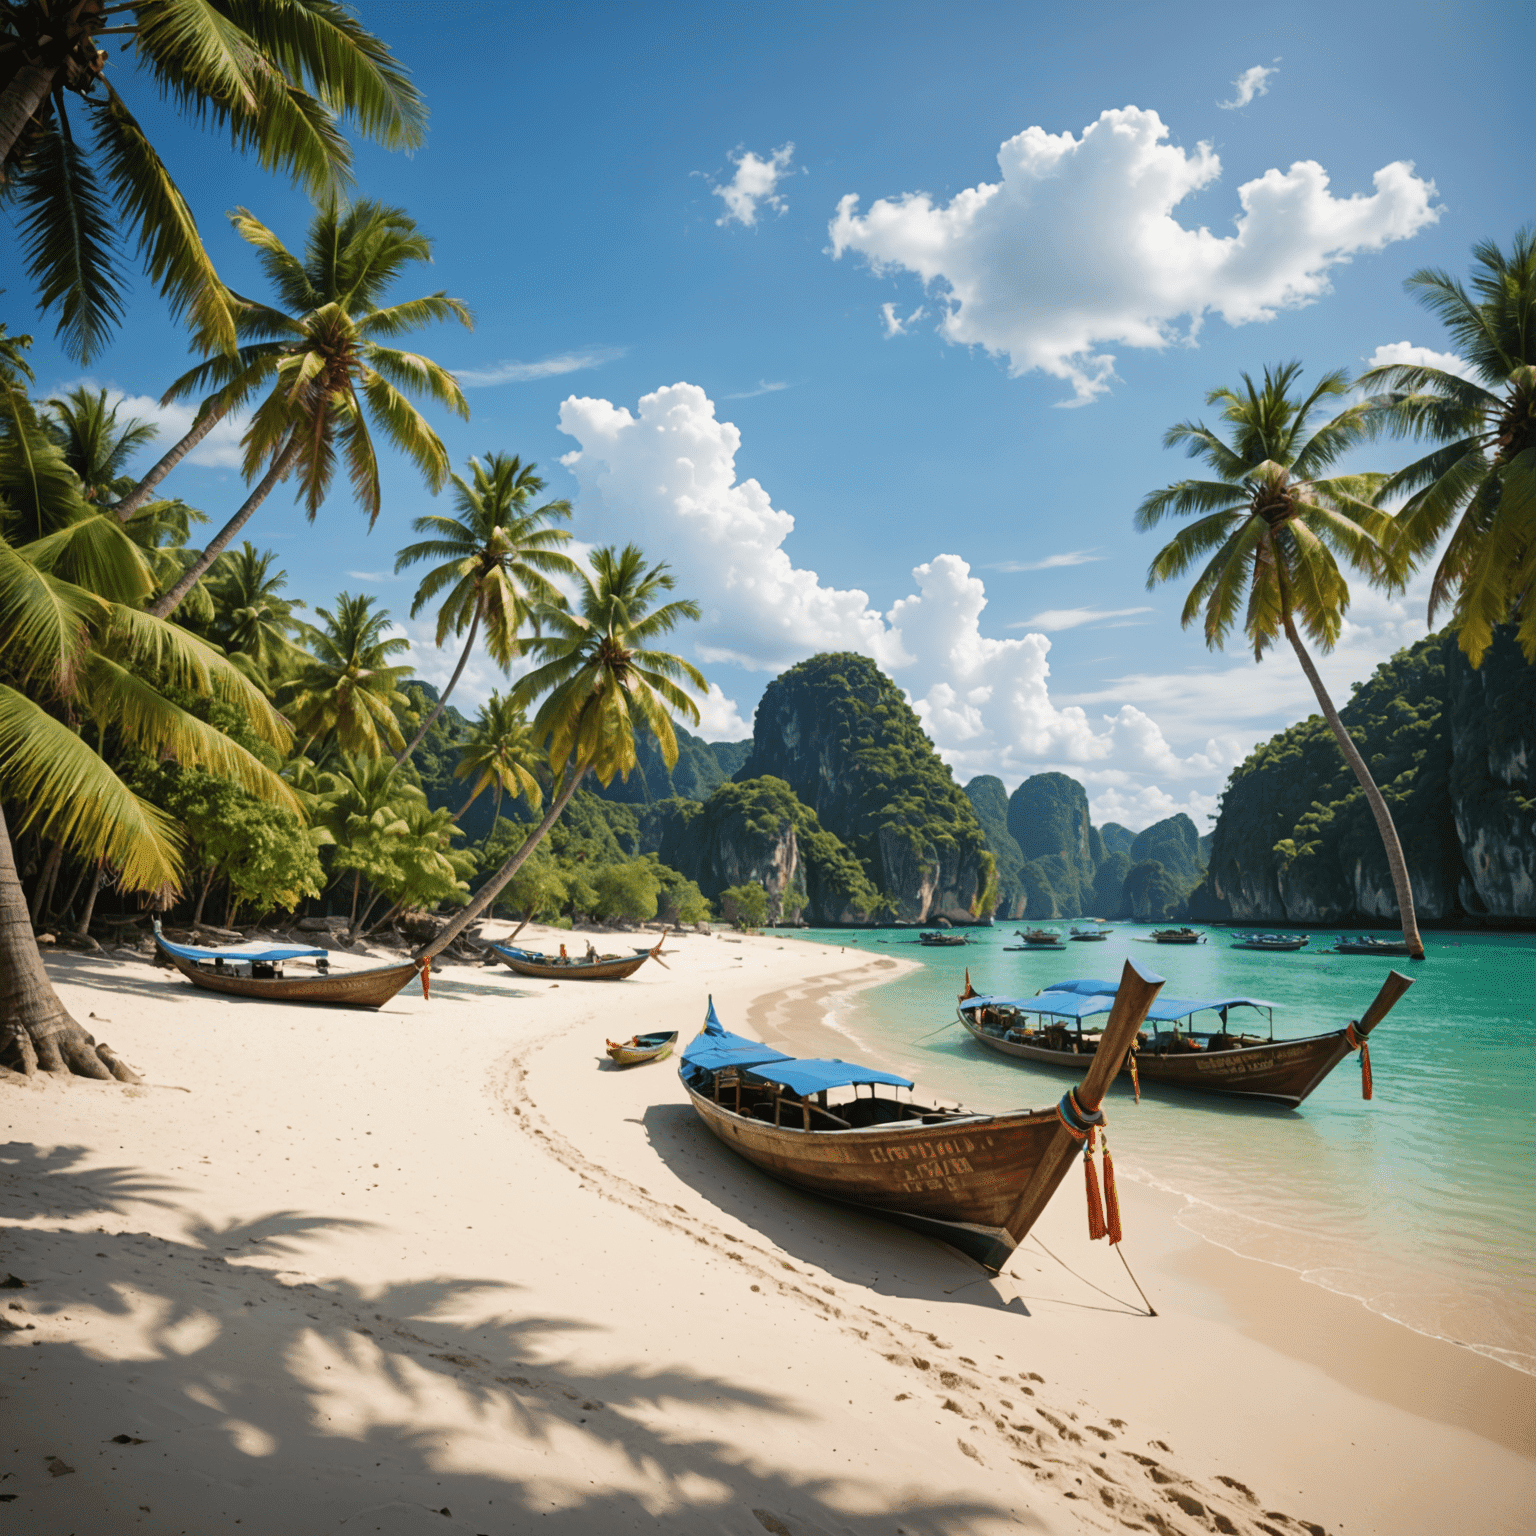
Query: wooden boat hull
(1389,950)
(1279,1071)
(1088,938)
(596,970)
(630,1055)
(958,1179)
(1275,948)
(349,989)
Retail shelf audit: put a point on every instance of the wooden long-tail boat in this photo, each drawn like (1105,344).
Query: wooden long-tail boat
(1049,1028)
(1276,942)
(976,1181)
(1366,944)
(1177,936)
(1094,935)
(642,1048)
(942,940)
(256,970)
(563,967)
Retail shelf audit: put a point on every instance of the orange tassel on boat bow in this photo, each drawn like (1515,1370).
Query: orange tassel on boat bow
(1096,1227)
(1111,1197)
(426,967)
(1361,1044)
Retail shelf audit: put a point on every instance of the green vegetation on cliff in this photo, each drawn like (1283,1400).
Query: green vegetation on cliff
(1451,750)
(840,734)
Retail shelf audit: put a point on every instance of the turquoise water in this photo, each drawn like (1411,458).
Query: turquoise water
(1418,1203)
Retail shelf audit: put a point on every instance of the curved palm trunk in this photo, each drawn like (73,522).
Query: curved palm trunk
(31,1014)
(24,94)
(1374,798)
(172,457)
(168,604)
(493,887)
(475,795)
(442,698)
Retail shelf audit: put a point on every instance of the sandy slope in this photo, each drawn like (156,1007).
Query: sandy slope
(437,1269)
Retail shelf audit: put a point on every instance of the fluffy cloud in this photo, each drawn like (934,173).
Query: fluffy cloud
(754,183)
(219,450)
(1077,246)
(1404,354)
(666,477)
(894,324)
(1252,82)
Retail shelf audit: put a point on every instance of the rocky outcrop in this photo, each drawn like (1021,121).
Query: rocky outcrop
(840,734)
(759,833)
(1452,750)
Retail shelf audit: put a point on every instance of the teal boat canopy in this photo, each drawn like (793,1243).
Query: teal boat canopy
(818,1075)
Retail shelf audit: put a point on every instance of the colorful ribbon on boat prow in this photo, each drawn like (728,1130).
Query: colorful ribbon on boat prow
(426,970)
(1361,1044)
(1087,1126)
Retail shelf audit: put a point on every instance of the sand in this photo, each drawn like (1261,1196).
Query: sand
(439,1269)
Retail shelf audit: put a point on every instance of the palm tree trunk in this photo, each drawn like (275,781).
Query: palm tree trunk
(97,881)
(1373,796)
(442,698)
(202,896)
(355,932)
(168,604)
(493,887)
(527,918)
(475,795)
(27,91)
(45,1033)
(45,881)
(201,427)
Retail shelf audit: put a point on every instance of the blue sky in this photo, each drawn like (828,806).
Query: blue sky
(571,181)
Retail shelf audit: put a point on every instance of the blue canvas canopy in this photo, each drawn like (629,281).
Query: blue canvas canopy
(1085,988)
(817,1075)
(1168,1010)
(715,1047)
(250,951)
(1061,1005)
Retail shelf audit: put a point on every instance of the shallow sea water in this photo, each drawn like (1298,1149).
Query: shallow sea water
(1418,1203)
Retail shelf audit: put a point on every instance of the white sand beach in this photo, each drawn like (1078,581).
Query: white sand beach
(440,1268)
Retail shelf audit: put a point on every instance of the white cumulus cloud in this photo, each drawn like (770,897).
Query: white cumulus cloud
(1076,246)
(755,183)
(1252,82)
(665,476)
(219,450)
(1405,354)
(894,324)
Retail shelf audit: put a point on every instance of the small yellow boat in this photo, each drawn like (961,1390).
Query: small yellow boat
(642,1048)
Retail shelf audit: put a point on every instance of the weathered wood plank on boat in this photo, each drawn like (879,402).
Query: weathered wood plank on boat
(976,1180)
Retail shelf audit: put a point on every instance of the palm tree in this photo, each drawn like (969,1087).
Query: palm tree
(277,78)
(73,660)
(1480,484)
(1273,530)
(95,444)
(600,683)
(362,806)
(500,750)
(349,687)
(497,555)
(251,622)
(324,364)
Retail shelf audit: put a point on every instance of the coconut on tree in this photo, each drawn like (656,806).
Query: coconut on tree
(1268,534)
(1476,491)
(320,362)
(601,683)
(496,559)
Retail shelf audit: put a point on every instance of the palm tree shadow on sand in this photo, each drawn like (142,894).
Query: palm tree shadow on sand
(197,1377)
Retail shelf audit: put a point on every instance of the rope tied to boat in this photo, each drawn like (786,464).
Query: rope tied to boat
(1087,1126)
(1130,1061)
(1361,1044)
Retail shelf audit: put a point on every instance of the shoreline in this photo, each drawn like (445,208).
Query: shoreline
(363,1263)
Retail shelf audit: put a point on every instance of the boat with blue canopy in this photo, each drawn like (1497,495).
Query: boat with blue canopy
(255,969)
(1198,1043)
(857,1134)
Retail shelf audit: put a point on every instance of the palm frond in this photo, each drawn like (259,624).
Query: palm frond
(155,210)
(71,794)
(45,622)
(96,553)
(69,242)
